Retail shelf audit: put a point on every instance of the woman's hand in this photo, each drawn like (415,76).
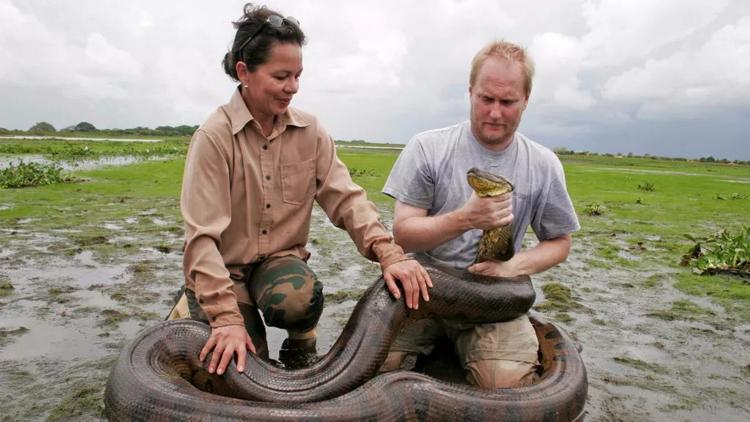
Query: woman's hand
(414,279)
(225,342)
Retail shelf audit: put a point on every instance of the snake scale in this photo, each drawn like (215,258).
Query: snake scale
(159,377)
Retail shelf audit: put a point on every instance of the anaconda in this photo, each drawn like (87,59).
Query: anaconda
(497,243)
(158,377)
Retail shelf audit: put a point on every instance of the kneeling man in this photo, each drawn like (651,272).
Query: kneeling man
(438,214)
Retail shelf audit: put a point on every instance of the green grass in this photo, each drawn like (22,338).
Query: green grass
(641,230)
(72,150)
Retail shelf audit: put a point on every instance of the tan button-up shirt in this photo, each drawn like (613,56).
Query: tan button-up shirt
(246,197)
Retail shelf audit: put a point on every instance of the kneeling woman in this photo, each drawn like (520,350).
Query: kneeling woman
(252,172)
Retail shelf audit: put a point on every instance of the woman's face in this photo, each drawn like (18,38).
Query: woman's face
(272,85)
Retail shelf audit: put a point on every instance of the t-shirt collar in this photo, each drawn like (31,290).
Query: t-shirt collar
(484,149)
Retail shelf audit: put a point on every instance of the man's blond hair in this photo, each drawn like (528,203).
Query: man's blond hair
(508,51)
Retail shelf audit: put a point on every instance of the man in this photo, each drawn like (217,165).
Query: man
(438,214)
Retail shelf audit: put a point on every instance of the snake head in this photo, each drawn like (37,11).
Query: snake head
(487,184)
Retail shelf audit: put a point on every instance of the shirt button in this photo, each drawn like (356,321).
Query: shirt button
(261,257)
(265,146)
(264,231)
(268,205)
(268,177)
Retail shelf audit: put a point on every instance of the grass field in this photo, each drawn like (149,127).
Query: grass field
(660,342)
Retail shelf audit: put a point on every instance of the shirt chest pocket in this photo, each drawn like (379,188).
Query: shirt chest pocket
(298,182)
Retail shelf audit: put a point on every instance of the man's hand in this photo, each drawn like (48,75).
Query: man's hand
(225,342)
(496,268)
(412,277)
(488,213)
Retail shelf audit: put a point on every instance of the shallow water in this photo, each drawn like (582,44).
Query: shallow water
(80,310)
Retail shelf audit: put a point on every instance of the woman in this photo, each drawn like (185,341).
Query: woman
(252,172)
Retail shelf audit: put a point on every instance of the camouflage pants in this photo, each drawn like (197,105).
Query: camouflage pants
(285,290)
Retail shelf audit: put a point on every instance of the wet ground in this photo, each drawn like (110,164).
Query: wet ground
(652,352)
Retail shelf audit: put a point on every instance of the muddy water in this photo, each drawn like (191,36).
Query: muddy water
(67,318)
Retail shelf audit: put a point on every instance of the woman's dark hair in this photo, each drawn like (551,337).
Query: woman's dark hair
(256,52)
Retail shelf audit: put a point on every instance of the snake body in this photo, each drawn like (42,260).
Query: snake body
(497,243)
(158,376)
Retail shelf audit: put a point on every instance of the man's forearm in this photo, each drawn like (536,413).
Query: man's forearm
(546,254)
(422,233)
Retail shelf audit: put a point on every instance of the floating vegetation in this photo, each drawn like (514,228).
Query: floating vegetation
(343,296)
(594,209)
(733,196)
(24,175)
(355,172)
(646,186)
(557,297)
(723,252)
(6,288)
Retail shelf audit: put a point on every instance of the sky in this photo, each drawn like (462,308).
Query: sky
(666,77)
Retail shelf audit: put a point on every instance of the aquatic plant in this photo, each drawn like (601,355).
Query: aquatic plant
(721,252)
(646,186)
(23,175)
(594,209)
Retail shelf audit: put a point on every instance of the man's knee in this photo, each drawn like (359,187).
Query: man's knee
(392,361)
(399,360)
(496,373)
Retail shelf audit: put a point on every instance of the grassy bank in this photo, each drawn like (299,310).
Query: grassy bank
(645,206)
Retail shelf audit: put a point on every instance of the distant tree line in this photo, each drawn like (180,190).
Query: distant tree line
(709,159)
(45,128)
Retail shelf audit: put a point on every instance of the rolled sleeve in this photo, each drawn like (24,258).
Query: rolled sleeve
(206,209)
(347,206)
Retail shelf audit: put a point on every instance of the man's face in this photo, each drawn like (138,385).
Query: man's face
(498,98)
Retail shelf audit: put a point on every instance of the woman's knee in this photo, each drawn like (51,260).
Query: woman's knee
(288,293)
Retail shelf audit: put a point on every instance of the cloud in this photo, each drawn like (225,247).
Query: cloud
(558,59)
(623,30)
(689,82)
(387,69)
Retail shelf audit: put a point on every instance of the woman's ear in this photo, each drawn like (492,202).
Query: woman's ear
(241,68)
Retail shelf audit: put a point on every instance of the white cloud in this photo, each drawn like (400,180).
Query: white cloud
(622,30)
(688,83)
(558,59)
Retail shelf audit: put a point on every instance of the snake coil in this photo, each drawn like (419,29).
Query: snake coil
(158,376)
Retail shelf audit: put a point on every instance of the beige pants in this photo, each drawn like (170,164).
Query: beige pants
(494,355)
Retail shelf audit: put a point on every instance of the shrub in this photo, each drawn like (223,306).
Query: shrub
(42,127)
(23,175)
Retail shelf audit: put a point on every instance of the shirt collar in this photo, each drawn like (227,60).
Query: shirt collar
(240,116)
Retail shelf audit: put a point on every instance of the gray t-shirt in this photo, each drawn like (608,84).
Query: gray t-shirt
(431,171)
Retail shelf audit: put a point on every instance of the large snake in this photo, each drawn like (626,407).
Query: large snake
(159,377)
(495,243)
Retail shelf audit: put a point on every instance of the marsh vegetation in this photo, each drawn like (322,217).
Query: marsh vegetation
(84,266)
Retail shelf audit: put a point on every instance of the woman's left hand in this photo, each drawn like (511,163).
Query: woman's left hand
(413,278)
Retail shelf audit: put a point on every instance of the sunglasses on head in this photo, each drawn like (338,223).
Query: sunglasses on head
(274,21)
